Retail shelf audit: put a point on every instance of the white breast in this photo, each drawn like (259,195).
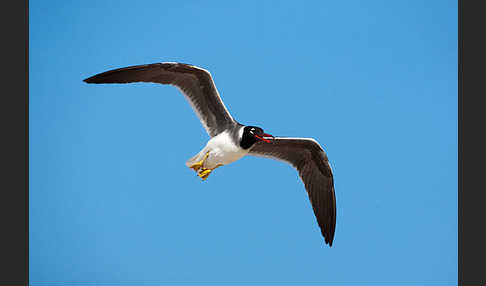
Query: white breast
(223,150)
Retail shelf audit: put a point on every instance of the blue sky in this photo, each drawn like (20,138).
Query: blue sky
(112,202)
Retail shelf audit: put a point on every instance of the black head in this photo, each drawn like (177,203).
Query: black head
(253,134)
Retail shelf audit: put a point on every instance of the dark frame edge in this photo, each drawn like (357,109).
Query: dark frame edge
(459,141)
(27,41)
(14,212)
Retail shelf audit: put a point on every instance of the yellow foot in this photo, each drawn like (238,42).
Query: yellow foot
(204,173)
(198,165)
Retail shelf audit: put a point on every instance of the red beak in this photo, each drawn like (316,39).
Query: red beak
(266,137)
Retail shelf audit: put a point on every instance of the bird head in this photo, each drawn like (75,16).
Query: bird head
(253,134)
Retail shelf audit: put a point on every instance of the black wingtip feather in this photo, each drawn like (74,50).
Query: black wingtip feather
(94,79)
(90,79)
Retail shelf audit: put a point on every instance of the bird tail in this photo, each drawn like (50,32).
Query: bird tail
(194,159)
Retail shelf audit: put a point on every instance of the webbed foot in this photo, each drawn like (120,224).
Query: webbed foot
(204,173)
(198,165)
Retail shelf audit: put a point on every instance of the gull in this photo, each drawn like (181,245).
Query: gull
(231,140)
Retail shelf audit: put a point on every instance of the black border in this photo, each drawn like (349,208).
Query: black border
(460,98)
(14,116)
(471,143)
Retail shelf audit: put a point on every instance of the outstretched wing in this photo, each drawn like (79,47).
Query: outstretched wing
(307,156)
(195,83)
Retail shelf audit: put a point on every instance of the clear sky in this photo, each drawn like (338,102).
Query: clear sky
(112,202)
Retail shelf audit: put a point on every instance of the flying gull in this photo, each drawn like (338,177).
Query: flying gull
(231,140)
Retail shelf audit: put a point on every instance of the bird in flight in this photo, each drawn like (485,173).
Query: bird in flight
(231,140)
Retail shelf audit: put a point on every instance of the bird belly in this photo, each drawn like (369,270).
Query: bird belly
(218,157)
(222,151)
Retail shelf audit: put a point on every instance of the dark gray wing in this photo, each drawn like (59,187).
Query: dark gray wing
(307,156)
(195,83)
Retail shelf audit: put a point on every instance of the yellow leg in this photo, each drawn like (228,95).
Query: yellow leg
(204,173)
(198,165)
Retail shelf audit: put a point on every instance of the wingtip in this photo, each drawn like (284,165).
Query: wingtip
(328,238)
(89,80)
(328,242)
(98,78)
